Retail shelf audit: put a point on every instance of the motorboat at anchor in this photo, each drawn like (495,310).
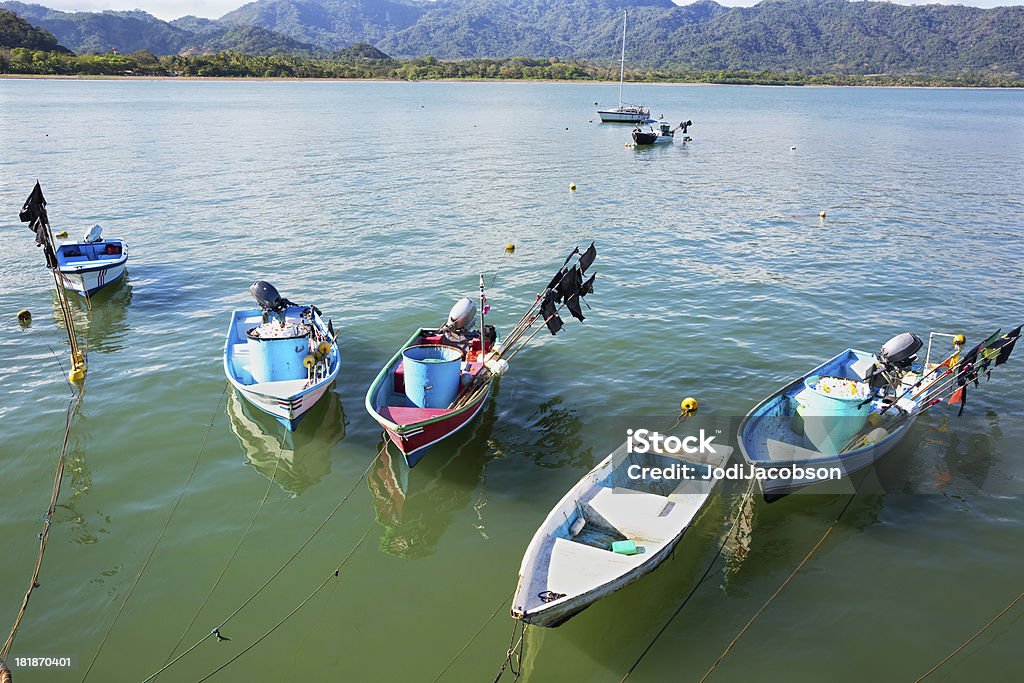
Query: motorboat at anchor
(663,134)
(281,357)
(91,264)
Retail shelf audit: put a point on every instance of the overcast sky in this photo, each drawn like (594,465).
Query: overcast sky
(172,9)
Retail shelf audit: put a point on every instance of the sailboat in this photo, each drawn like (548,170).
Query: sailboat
(625,112)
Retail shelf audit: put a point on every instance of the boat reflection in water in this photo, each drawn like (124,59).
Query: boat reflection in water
(295,460)
(100,319)
(416,507)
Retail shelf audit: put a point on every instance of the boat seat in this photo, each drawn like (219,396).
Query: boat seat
(636,515)
(575,566)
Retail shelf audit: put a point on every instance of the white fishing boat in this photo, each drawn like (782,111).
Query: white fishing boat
(92,264)
(610,530)
(625,112)
(665,133)
(281,357)
(851,410)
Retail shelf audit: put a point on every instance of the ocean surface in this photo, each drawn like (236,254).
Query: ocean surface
(382,203)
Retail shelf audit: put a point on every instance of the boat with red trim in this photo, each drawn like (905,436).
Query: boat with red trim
(439,380)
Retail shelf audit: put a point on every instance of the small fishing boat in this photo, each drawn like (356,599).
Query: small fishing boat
(92,264)
(439,380)
(611,529)
(664,133)
(851,410)
(281,357)
(624,113)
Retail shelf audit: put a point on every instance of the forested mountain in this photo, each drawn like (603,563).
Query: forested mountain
(16,32)
(807,36)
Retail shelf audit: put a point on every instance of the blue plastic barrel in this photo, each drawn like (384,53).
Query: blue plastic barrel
(432,375)
(274,360)
(830,421)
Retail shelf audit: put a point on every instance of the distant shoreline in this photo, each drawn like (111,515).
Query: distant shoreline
(271,79)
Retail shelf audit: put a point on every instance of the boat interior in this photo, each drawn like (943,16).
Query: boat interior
(777,432)
(84,252)
(238,345)
(391,400)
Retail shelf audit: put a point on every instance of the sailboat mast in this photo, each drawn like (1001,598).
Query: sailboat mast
(622,60)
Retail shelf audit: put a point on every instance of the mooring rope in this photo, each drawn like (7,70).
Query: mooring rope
(704,576)
(47,521)
(779,589)
(216,630)
(515,651)
(224,569)
(967,642)
(332,575)
(478,632)
(160,536)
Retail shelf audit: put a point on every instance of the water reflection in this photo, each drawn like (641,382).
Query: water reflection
(101,319)
(295,460)
(552,437)
(416,507)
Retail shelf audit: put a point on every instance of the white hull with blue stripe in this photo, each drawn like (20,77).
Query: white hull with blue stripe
(284,395)
(87,267)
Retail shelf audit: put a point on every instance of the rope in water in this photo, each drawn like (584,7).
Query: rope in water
(470,641)
(73,404)
(967,642)
(216,630)
(779,590)
(704,576)
(515,651)
(298,607)
(224,569)
(160,536)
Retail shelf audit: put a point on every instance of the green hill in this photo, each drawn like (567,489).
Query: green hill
(16,32)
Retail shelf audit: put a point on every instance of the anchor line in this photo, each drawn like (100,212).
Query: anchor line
(478,632)
(779,589)
(700,582)
(216,630)
(159,538)
(967,642)
(294,610)
(44,535)
(224,569)
(514,652)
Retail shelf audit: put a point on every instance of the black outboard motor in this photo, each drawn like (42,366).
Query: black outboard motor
(894,360)
(268,298)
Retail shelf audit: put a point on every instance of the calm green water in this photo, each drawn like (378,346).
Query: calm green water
(382,203)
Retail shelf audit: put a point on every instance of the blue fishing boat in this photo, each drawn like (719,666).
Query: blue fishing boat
(91,264)
(851,410)
(281,357)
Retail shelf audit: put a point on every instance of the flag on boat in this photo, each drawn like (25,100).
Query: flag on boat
(33,212)
(568,288)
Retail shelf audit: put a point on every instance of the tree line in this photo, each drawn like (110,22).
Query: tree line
(238,65)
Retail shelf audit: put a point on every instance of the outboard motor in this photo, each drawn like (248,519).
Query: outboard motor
(894,360)
(93,235)
(461,316)
(268,298)
(901,350)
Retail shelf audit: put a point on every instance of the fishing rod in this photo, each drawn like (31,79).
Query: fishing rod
(958,342)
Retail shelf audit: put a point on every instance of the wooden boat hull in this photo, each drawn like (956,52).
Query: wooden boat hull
(85,268)
(414,430)
(575,570)
(767,424)
(288,401)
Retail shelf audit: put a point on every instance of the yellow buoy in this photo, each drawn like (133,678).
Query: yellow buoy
(874,419)
(821,215)
(24,316)
(510,248)
(689,405)
(309,362)
(324,348)
(62,234)
(958,340)
(572,187)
